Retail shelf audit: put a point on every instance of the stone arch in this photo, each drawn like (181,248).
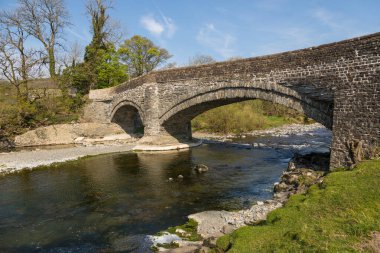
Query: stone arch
(129,116)
(176,120)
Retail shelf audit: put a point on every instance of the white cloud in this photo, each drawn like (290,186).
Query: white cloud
(152,25)
(221,42)
(158,27)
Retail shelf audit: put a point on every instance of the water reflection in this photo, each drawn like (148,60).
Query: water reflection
(89,204)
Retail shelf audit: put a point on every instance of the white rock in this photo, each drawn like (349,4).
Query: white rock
(79,139)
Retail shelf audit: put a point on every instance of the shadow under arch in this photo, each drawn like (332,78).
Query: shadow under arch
(129,117)
(176,120)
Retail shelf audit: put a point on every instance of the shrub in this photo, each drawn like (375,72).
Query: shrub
(246,116)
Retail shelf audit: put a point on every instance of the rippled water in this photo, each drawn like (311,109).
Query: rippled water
(90,205)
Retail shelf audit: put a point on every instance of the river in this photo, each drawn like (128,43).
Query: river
(92,204)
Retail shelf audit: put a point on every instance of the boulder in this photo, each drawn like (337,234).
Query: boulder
(201,168)
(69,134)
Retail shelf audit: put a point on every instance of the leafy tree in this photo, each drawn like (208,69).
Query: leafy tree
(110,71)
(142,55)
(77,76)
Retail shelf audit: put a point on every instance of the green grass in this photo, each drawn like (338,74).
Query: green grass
(335,216)
(191,229)
(246,116)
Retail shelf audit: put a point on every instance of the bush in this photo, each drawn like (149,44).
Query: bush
(20,115)
(246,116)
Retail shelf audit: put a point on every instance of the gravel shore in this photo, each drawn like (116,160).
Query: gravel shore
(28,159)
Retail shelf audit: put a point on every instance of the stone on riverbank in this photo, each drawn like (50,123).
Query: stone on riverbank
(303,171)
(218,223)
(71,134)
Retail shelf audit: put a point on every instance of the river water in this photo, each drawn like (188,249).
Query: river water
(93,204)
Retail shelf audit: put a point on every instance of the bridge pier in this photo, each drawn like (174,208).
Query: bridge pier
(154,132)
(151,108)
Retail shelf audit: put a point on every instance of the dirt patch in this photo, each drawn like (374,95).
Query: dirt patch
(373,244)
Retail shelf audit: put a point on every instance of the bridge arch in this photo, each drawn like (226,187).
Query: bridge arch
(176,119)
(128,116)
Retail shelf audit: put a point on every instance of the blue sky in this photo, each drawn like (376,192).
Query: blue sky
(231,28)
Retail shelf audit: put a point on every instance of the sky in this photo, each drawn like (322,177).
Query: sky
(231,28)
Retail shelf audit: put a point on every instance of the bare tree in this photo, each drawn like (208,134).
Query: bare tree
(17,63)
(45,20)
(72,56)
(170,65)
(200,60)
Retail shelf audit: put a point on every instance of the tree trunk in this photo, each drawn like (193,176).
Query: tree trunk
(52,63)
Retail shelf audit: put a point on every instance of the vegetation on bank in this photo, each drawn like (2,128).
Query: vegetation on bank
(246,116)
(18,115)
(187,231)
(336,216)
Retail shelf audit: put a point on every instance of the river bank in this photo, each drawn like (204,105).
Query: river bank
(340,214)
(202,231)
(28,159)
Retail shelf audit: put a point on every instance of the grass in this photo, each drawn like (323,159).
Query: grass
(246,116)
(190,228)
(336,216)
(190,234)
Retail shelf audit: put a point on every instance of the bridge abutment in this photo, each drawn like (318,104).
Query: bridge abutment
(356,121)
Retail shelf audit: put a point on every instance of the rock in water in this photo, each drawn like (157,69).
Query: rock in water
(200,168)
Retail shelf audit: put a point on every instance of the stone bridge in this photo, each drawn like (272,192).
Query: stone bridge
(337,85)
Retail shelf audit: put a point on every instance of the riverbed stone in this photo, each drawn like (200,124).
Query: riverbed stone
(201,168)
(218,223)
(303,171)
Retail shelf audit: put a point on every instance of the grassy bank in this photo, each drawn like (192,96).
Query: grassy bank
(337,216)
(246,116)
